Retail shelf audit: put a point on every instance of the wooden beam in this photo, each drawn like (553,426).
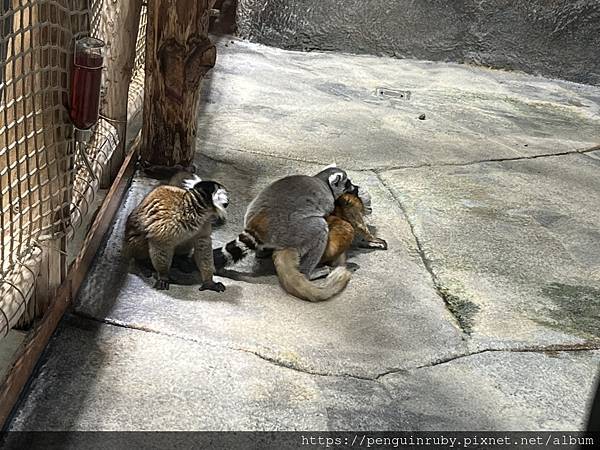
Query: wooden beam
(30,352)
(178,55)
(119,25)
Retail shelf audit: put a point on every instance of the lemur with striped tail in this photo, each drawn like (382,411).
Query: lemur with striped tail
(177,220)
(289,217)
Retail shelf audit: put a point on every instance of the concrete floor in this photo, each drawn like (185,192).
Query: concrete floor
(483,314)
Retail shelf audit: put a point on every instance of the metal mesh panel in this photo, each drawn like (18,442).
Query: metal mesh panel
(46,189)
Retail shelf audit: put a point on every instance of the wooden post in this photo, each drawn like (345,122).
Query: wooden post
(178,55)
(119,25)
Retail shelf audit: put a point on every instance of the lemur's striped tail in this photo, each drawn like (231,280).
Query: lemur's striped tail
(235,250)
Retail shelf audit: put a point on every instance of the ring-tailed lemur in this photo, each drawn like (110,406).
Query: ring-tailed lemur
(288,216)
(174,220)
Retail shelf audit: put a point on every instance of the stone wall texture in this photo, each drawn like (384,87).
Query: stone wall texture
(554,38)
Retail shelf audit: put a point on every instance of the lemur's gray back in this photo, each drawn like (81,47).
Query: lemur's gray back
(285,205)
(292,198)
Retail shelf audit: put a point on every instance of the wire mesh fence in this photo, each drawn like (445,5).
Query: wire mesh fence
(46,187)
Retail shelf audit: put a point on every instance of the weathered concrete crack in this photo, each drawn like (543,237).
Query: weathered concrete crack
(548,349)
(553,348)
(275,361)
(437,362)
(267,155)
(130,326)
(289,365)
(442,361)
(462,322)
(382,169)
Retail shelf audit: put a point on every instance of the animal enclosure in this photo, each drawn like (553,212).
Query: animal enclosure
(473,126)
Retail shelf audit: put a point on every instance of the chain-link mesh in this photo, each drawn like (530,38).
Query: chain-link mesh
(46,189)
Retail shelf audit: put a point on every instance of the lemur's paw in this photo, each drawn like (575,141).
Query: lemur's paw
(161,285)
(212,286)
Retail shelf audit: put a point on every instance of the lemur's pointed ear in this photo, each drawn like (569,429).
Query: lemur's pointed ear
(335,178)
(190,182)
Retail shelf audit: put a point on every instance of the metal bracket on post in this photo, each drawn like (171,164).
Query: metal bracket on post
(82,138)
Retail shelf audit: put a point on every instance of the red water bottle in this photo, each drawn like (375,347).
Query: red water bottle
(86,77)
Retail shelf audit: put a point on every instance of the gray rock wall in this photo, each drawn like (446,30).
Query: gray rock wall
(555,38)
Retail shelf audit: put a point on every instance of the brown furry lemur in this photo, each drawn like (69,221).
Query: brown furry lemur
(177,220)
(346,223)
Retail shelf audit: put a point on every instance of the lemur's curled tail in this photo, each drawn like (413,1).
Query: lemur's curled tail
(287,262)
(235,250)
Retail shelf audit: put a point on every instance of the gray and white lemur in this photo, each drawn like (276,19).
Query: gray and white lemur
(288,216)
(177,220)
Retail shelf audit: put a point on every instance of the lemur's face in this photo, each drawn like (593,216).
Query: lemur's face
(340,183)
(215,195)
(220,198)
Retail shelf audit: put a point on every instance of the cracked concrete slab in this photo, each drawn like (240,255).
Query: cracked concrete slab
(323,106)
(525,391)
(390,316)
(99,377)
(513,245)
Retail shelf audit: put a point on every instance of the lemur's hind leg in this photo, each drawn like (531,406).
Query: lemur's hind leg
(183,258)
(161,256)
(313,248)
(203,255)
(145,266)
